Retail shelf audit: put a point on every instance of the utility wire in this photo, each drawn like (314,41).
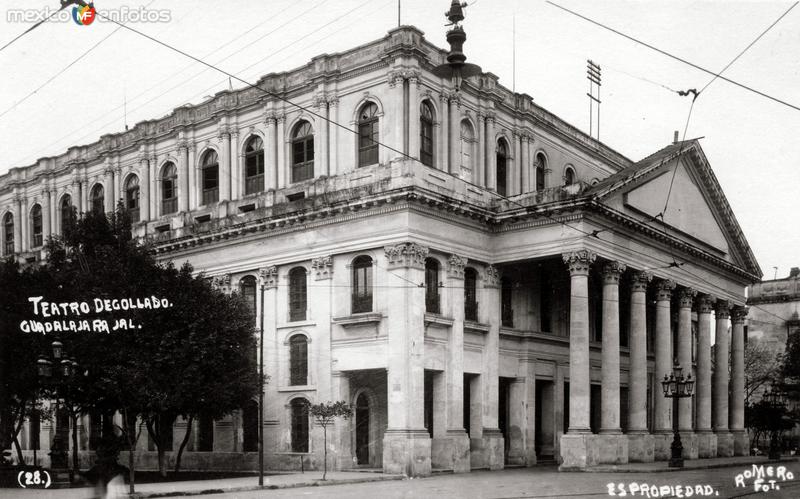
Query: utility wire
(716,75)
(32,28)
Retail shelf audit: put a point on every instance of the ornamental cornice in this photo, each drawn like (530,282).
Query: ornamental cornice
(578,261)
(664,288)
(705,304)
(722,309)
(406,255)
(686,297)
(268,276)
(612,271)
(323,267)
(639,281)
(455,266)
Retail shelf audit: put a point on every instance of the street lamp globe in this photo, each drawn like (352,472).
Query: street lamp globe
(58,349)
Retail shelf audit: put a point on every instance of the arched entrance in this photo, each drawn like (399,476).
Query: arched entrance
(362,429)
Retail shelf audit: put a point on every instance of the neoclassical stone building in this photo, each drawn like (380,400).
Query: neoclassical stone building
(485,283)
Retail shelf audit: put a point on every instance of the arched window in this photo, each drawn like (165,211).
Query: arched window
(302,152)
(569,176)
(210,168)
(368,135)
(247,287)
(432,286)
(467,141)
(98,198)
(298,360)
(426,134)
(470,294)
(297,294)
(362,284)
(541,165)
(299,408)
(36,226)
(8,234)
(132,197)
(67,214)
(169,189)
(502,160)
(254,166)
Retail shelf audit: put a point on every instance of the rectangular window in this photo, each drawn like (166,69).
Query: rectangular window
(506,306)
(368,143)
(298,361)
(362,289)
(299,426)
(297,295)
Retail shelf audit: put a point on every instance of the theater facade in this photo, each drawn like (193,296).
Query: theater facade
(484,283)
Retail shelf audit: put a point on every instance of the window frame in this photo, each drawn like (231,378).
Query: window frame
(98,201)
(298,294)
(433,302)
(132,202)
(8,234)
(426,121)
(302,167)
(361,293)
(169,177)
(501,165)
(209,174)
(67,216)
(541,165)
(470,294)
(37,226)
(569,176)
(298,360)
(299,426)
(368,129)
(254,157)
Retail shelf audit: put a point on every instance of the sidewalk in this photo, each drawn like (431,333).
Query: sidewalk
(690,464)
(197,487)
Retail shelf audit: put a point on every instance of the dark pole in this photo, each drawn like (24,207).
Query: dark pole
(261,394)
(677,446)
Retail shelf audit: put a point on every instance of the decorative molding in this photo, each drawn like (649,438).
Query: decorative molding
(640,280)
(686,297)
(222,283)
(455,266)
(664,288)
(491,277)
(268,276)
(578,262)
(739,314)
(612,271)
(723,309)
(406,255)
(323,267)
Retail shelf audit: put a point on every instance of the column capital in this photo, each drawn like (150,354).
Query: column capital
(686,297)
(664,289)
(491,277)
(222,283)
(739,314)
(268,276)
(406,255)
(640,280)
(612,271)
(269,119)
(579,261)
(705,304)
(723,309)
(455,266)
(323,267)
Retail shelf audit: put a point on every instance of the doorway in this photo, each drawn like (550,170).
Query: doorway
(362,429)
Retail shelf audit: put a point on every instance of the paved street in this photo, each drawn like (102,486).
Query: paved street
(528,483)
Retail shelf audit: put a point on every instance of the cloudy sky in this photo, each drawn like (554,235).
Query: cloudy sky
(49,101)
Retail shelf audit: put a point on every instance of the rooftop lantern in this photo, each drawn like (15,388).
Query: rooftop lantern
(456,68)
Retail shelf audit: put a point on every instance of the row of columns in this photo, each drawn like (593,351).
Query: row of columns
(578,449)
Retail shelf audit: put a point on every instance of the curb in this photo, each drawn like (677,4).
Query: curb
(314,483)
(615,469)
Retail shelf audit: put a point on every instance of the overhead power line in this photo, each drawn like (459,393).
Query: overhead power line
(31,28)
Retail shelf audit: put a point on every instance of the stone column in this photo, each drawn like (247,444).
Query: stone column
(514,165)
(450,449)
(270,154)
(155,195)
(721,353)
(444,138)
(525,164)
(183,176)
(47,210)
(455,135)
(342,441)
(24,225)
(740,441)
(280,148)
(224,165)
(108,187)
(83,193)
(685,421)
(706,440)
(18,224)
(491,157)
(575,445)
(406,442)
(397,120)
(662,408)
(333,150)
(413,116)
(321,165)
(479,178)
(236,187)
(118,195)
(144,193)
(640,442)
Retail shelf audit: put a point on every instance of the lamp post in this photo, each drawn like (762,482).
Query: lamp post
(775,398)
(57,374)
(676,386)
(261,393)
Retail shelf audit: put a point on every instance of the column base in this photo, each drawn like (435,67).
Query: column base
(724,444)
(451,452)
(407,452)
(641,448)
(690,444)
(706,444)
(741,443)
(582,450)
(487,451)
(662,445)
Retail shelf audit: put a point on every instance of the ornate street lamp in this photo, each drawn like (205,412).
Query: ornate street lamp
(676,386)
(57,378)
(775,398)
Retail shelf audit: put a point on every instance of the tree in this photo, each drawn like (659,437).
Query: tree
(762,366)
(324,414)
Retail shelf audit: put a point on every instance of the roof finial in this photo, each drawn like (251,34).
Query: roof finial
(456,67)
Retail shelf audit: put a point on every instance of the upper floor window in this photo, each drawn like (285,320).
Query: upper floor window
(569,176)
(466,153)
(298,360)
(36,226)
(432,286)
(67,214)
(541,165)
(210,168)
(426,133)
(254,166)
(502,160)
(302,152)
(299,428)
(247,287)
(132,197)
(98,198)
(169,189)
(362,284)
(297,294)
(8,234)
(368,135)
(470,294)
(506,305)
